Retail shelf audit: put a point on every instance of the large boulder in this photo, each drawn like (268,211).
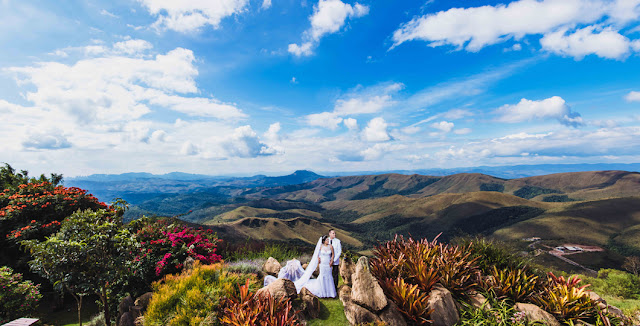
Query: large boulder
(126,320)
(310,304)
(280,288)
(188,264)
(355,314)
(347,268)
(365,290)
(445,312)
(535,313)
(144,300)
(124,306)
(391,316)
(602,304)
(271,266)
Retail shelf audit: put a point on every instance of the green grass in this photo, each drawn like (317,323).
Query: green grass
(331,313)
(69,315)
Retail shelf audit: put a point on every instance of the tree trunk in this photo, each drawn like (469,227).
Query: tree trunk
(79,304)
(105,303)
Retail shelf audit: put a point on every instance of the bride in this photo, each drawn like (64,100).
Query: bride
(323,286)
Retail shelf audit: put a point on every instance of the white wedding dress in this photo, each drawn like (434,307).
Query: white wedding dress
(323,286)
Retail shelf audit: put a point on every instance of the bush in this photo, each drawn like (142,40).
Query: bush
(502,313)
(567,300)
(514,284)
(18,298)
(245,266)
(194,298)
(492,254)
(247,308)
(253,249)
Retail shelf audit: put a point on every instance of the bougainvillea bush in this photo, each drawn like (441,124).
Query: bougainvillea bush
(18,298)
(165,244)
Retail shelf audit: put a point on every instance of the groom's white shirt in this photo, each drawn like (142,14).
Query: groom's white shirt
(337,250)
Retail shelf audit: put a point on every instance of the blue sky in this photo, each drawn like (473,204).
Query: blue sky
(242,87)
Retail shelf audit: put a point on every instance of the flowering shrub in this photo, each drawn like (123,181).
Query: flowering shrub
(194,298)
(34,210)
(17,298)
(165,244)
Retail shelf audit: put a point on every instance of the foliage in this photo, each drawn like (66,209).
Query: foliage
(528,192)
(557,199)
(492,254)
(515,284)
(246,266)
(458,271)
(615,283)
(18,298)
(92,253)
(163,246)
(565,299)
(502,313)
(253,249)
(194,297)
(492,187)
(632,264)
(247,308)
(411,301)
(487,222)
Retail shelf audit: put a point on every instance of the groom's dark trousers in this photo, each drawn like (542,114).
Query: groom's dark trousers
(335,272)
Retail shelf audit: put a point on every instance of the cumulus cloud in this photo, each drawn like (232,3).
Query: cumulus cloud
(527,110)
(605,43)
(191,16)
(351,123)
(443,126)
(477,27)
(377,151)
(266,4)
(376,131)
(132,46)
(120,87)
(363,101)
(52,139)
(245,143)
(188,148)
(633,97)
(329,16)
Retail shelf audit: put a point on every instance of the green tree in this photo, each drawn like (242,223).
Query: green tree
(91,254)
(18,298)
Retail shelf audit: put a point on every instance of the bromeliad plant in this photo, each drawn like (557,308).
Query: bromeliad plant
(515,284)
(248,308)
(411,301)
(566,299)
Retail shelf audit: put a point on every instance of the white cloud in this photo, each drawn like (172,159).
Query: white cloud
(272,133)
(245,143)
(351,123)
(377,151)
(190,16)
(104,12)
(443,126)
(52,139)
(605,43)
(329,16)
(551,108)
(376,131)
(476,27)
(119,87)
(159,136)
(189,148)
(266,4)
(131,47)
(633,97)
(327,120)
(462,131)
(362,101)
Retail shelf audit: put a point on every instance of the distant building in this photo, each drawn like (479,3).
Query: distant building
(532,239)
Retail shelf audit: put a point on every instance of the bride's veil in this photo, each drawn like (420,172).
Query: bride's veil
(313,264)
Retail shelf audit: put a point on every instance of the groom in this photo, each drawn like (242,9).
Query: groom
(337,250)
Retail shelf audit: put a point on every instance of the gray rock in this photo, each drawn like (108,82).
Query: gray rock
(143,301)
(280,288)
(347,268)
(391,316)
(365,290)
(444,308)
(310,304)
(271,266)
(126,320)
(124,306)
(188,264)
(535,313)
(616,311)
(479,301)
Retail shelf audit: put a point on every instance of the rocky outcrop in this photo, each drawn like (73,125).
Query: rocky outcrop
(535,313)
(280,288)
(365,290)
(131,312)
(310,304)
(271,266)
(445,312)
(126,320)
(188,264)
(364,302)
(347,268)
(143,301)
